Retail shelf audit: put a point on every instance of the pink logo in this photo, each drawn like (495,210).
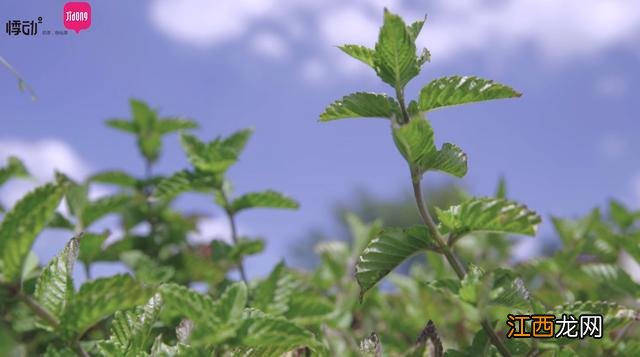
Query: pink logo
(76,16)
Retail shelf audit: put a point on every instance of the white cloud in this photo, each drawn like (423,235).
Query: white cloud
(558,31)
(209,229)
(269,45)
(42,158)
(206,23)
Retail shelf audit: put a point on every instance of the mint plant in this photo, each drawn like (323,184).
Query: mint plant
(183,298)
(395,61)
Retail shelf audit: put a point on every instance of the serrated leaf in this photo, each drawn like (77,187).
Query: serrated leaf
(130,329)
(100,298)
(395,59)
(54,287)
(115,177)
(264,199)
(232,302)
(360,53)
(272,294)
(14,169)
(216,156)
(500,287)
(214,322)
(455,90)
(273,332)
(416,144)
(362,105)
(388,250)
(186,181)
(488,215)
(23,223)
(415,28)
(306,309)
(103,206)
(172,125)
(614,314)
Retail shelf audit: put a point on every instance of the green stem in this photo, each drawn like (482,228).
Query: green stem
(47,317)
(234,237)
(234,232)
(455,263)
(403,107)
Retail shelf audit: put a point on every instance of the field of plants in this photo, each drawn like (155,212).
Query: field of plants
(453,297)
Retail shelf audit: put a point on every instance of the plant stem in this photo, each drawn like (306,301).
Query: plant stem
(431,225)
(234,232)
(455,263)
(234,237)
(47,317)
(403,108)
(38,309)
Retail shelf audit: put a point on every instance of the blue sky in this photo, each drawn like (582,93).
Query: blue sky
(568,144)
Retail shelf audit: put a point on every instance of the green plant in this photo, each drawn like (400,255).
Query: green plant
(179,298)
(395,61)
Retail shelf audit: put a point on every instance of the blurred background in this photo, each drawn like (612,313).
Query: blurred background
(570,143)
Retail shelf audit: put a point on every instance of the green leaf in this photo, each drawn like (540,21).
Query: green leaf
(488,215)
(186,181)
(614,314)
(621,215)
(388,250)
(91,246)
(145,120)
(122,125)
(214,321)
(307,309)
(77,196)
(272,294)
(500,287)
(415,28)
(100,298)
(216,156)
(395,59)
(264,199)
(416,144)
(23,223)
(245,247)
(115,177)
(60,221)
(14,169)
(455,90)
(362,105)
(103,206)
(130,330)
(267,331)
(232,302)
(360,53)
(172,125)
(54,287)
(146,269)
